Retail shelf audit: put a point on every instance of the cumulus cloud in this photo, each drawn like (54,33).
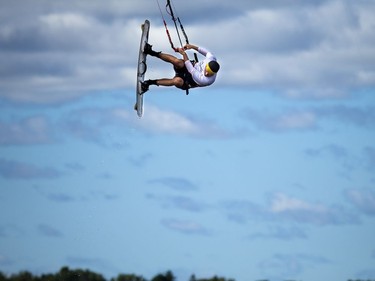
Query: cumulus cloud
(282,266)
(141,160)
(310,118)
(240,211)
(281,233)
(294,209)
(363,117)
(93,125)
(53,56)
(281,207)
(283,203)
(179,202)
(60,197)
(323,49)
(337,151)
(186,226)
(75,166)
(289,120)
(169,122)
(160,121)
(48,230)
(176,183)
(30,130)
(301,51)
(339,154)
(363,200)
(90,124)
(10,169)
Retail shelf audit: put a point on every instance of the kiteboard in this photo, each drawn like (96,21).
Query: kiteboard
(142,68)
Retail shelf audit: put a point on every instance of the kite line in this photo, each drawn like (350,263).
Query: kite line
(170,9)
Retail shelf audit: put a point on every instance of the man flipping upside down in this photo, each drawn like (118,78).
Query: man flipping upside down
(188,74)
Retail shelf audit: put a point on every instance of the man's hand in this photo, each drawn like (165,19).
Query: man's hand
(183,53)
(190,46)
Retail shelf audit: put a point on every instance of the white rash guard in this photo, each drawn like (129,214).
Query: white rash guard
(197,71)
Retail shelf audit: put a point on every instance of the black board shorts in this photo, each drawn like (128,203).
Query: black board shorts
(186,76)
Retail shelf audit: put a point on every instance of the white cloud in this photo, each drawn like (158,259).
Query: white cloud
(185,226)
(283,203)
(280,232)
(160,121)
(363,200)
(294,209)
(311,118)
(282,207)
(288,120)
(282,266)
(168,122)
(60,56)
(49,231)
(31,130)
(179,202)
(323,49)
(175,183)
(298,120)
(10,169)
(92,125)
(66,20)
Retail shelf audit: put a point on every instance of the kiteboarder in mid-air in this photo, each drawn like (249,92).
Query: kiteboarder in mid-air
(189,74)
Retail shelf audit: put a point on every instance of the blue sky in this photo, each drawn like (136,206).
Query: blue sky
(267,174)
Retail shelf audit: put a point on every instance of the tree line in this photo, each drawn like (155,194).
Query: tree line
(67,274)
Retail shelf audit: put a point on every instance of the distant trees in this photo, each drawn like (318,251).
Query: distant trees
(67,274)
(22,276)
(2,277)
(127,277)
(168,276)
(215,278)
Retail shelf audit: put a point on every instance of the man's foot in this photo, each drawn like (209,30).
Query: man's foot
(144,87)
(149,51)
(146,84)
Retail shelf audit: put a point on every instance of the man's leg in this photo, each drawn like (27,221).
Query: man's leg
(175,81)
(176,62)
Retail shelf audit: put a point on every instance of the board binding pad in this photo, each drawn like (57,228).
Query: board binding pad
(142,68)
